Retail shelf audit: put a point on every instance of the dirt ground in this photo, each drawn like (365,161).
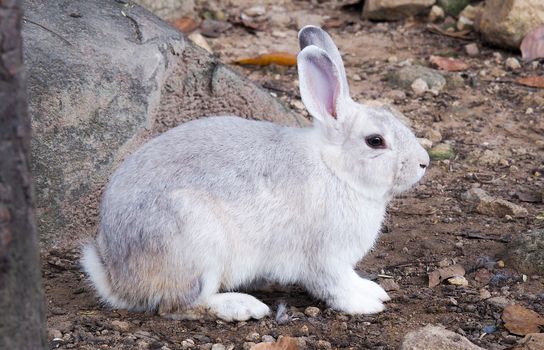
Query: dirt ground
(429,226)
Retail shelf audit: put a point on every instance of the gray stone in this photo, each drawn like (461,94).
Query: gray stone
(512,63)
(506,22)
(419,86)
(406,76)
(525,253)
(486,204)
(169,9)
(436,338)
(472,49)
(393,10)
(102,79)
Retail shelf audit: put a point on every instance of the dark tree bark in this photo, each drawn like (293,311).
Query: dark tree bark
(21,297)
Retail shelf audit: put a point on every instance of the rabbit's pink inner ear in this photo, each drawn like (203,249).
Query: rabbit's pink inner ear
(324,85)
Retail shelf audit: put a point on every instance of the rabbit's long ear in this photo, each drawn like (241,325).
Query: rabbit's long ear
(320,83)
(312,35)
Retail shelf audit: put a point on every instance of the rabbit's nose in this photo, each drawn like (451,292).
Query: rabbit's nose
(423,166)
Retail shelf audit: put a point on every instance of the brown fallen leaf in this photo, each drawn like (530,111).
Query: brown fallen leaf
(532,46)
(186,25)
(521,321)
(280,58)
(532,81)
(439,275)
(284,343)
(449,64)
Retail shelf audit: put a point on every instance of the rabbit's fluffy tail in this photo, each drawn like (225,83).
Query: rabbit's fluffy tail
(94,267)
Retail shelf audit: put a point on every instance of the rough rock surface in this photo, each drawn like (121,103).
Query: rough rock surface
(506,22)
(103,77)
(393,10)
(169,9)
(526,252)
(436,338)
(486,204)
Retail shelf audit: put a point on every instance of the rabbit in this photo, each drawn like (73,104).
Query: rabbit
(217,203)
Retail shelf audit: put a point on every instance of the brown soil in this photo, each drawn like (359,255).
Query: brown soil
(426,226)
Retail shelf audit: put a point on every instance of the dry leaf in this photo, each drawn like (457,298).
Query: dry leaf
(532,46)
(532,81)
(284,343)
(521,321)
(439,275)
(186,25)
(449,64)
(281,58)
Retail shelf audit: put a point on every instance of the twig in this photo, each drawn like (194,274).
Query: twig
(47,29)
(475,235)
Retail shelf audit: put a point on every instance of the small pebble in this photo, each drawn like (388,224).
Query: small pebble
(187,344)
(500,302)
(122,326)
(458,281)
(323,344)
(425,143)
(268,339)
(512,63)
(54,334)
(490,329)
(484,294)
(253,337)
(389,284)
(312,311)
(218,347)
(248,345)
(472,49)
(304,330)
(419,86)
(436,14)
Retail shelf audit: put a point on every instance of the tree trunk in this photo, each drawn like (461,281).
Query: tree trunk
(21,297)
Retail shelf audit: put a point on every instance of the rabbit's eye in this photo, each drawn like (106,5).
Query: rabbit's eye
(375,141)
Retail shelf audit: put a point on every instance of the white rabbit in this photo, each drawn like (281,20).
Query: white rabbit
(217,203)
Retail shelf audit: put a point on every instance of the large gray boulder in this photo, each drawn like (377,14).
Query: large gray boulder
(104,76)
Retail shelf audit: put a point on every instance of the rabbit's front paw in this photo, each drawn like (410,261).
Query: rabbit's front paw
(359,296)
(372,289)
(236,306)
(359,303)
